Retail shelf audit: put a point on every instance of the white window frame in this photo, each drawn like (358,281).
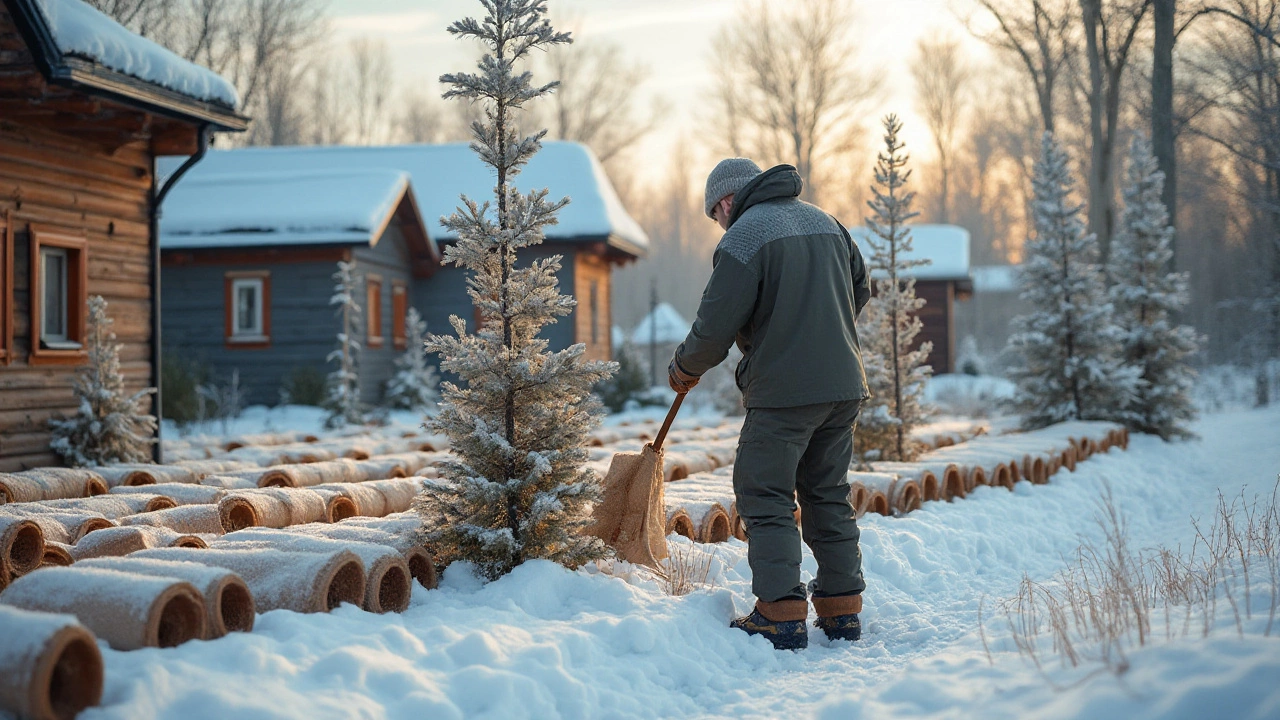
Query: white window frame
(256,333)
(61,340)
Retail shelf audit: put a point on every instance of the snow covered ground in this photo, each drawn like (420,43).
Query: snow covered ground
(546,642)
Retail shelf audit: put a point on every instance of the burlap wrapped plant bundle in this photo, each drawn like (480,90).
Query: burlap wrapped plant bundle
(228,604)
(128,611)
(120,541)
(398,493)
(267,439)
(338,505)
(282,580)
(238,512)
(50,666)
(387,580)
(318,473)
(114,507)
(421,564)
(140,474)
(713,525)
(301,453)
(65,526)
(268,510)
(186,519)
(179,493)
(930,486)
(738,526)
(21,545)
(305,505)
(57,554)
(227,482)
(384,467)
(50,484)
(368,501)
(679,522)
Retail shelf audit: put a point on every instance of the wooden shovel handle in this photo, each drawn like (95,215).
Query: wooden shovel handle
(666,424)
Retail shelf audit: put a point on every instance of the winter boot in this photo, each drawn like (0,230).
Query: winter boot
(838,616)
(781,623)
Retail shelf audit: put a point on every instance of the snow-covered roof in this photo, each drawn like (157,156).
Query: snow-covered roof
(947,246)
(995,278)
(289,207)
(440,173)
(670,325)
(80,30)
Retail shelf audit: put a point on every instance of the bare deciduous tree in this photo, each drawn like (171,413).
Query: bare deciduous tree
(1040,33)
(788,88)
(370,89)
(1110,30)
(942,77)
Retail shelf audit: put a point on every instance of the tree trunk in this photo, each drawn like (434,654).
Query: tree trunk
(1162,132)
(1098,205)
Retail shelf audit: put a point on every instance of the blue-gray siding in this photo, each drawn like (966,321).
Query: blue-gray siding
(388,259)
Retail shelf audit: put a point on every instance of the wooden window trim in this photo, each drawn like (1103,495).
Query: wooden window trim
(6,287)
(230,340)
(77,247)
(399,313)
(373,311)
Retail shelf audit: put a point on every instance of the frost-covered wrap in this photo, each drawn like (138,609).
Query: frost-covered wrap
(518,420)
(21,545)
(179,493)
(1068,353)
(188,519)
(128,611)
(49,484)
(114,507)
(387,579)
(421,566)
(283,580)
(118,541)
(50,666)
(228,603)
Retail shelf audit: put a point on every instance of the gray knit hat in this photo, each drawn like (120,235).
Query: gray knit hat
(728,177)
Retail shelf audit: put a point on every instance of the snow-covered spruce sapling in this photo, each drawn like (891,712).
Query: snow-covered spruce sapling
(1067,351)
(415,385)
(896,371)
(518,418)
(342,398)
(1146,297)
(110,425)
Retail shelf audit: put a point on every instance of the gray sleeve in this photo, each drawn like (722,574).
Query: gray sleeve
(858,271)
(727,305)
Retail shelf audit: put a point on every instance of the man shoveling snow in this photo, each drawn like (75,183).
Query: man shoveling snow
(787,284)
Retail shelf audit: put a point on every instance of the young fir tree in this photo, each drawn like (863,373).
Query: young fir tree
(519,419)
(1146,295)
(414,386)
(110,425)
(896,373)
(1068,363)
(343,393)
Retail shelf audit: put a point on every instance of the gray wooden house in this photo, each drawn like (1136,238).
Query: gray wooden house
(251,237)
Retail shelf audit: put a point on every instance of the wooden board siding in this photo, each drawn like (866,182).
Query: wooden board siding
(389,260)
(303,325)
(54,180)
(938,320)
(591,319)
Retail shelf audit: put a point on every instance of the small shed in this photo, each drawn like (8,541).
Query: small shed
(249,204)
(85,108)
(942,283)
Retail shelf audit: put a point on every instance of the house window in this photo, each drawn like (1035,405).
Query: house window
(59,295)
(248,309)
(399,309)
(6,289)
(373,301)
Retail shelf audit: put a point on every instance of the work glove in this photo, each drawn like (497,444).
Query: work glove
(681,381)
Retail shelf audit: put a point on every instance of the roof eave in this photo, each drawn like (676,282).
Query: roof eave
(82,74)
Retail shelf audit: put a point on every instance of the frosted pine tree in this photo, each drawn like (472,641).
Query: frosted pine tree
(342,396)
(110,426)
(896,373)
(1067,362)
(415,384)
(1145,296)
(518,418)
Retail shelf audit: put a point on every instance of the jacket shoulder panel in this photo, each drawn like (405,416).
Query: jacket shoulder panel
(766,222)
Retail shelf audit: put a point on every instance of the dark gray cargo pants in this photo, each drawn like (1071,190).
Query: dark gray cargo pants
(798,452)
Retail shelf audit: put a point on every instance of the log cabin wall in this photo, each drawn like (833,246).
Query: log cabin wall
(51,180)
(937,318)
(591,318)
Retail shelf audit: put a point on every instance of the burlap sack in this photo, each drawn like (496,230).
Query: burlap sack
(630,517)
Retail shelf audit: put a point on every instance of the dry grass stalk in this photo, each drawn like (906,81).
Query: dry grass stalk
(1100,607)
(684,570)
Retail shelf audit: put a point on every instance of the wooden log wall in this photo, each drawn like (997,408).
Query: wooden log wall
(64,171)
(592,270)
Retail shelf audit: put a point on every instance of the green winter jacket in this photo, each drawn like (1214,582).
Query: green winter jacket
(787,284)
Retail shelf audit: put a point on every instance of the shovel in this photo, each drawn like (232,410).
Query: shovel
(631,516)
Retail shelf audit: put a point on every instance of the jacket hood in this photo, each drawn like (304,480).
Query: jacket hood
(778,182)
